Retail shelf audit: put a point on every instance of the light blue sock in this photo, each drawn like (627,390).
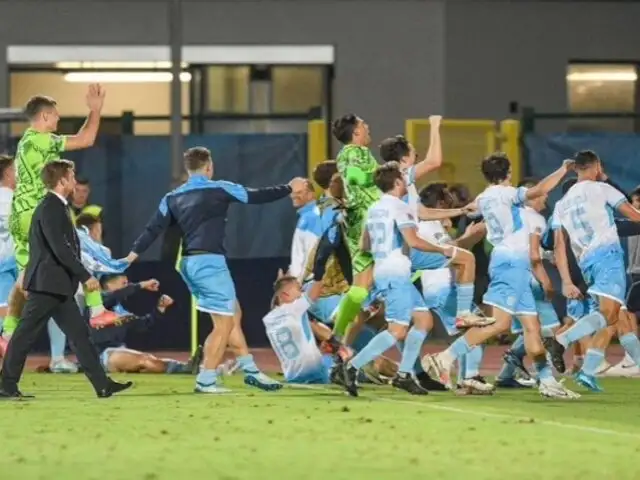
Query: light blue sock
(459,347)
(247,364)
(376,347)
(473,359)
(411,351)
(206,378)
(508,371)
(464,293)
(174,366)
(631,345)
(543,368)
(587,325)
(592,361)
(57,340)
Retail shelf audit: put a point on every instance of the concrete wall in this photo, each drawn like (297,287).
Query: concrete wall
(395,58)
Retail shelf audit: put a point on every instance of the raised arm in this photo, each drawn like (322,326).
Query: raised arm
(550,182)
(426,213)
(87,134)
(61,248)
(410,235)
(629,212)
(240,194)
(433,159)
(160,221)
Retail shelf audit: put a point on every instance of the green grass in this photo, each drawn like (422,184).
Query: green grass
(160,430)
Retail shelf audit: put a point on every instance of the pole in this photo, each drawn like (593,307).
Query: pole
(175,40)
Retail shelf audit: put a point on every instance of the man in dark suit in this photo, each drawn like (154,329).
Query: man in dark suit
(51,279)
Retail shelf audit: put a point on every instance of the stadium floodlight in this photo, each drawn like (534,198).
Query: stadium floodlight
(123,77)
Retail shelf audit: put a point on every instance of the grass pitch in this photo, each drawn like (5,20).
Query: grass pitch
(160,430)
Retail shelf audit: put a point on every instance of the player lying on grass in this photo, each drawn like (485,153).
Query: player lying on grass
(439,285)
(542,293)
(111,341)
(390,231)
(509,291)
(585,213)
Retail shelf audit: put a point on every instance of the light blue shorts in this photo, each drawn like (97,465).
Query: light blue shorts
(106,354)
(444,303)
(7,281)
(605,273)
(401,298)
(319,375)
(210,282)
(576,309)
(546,313)
(510,285)
(428,260)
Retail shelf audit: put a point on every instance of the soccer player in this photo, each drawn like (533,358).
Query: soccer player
(110,341)
(390,229)
(200,208)
(586,214)
(38,146)
(439,283)
(509,291)
(542,293)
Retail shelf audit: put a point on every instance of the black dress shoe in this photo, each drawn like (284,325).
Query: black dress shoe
(112,388)
(15,394)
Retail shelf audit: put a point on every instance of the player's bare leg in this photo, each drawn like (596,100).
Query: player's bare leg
(138,362)
(464,263)
(214,348)
(238,344)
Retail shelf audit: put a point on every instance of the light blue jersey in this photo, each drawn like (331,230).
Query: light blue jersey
(392,268)
(586,213)
(8,267)
(96,257)
(510,265)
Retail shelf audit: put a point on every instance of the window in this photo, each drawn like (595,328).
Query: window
(297,89)
(228,89)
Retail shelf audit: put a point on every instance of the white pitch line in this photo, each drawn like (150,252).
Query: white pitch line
(479,413)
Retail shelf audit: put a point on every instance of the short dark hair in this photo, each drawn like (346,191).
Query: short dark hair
(392,149)
(87,220)
(82,180)
(336,187)
(435,193)
(461,191)
(323,172)
(36,104)
(495,167)
(279,285)
(585,158)
(567,184)
(386,175)
(344,127)
(5,162)
(196,158)
(54,171)
(635,192)
(528,182)
(108,277)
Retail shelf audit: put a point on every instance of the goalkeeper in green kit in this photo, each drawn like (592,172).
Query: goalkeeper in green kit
(38,146)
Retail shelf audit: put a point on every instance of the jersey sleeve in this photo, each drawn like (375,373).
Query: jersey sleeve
(554,221)
(300,306)
(535,223)
(403,217)
(49,143)
(612,196)
(518,195)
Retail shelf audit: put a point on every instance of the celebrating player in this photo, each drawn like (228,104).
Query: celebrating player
(509,290)
(38,146)
(585,214)
(390,227)
(200,208)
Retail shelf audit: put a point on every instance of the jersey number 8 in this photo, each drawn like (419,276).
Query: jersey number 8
(285,345)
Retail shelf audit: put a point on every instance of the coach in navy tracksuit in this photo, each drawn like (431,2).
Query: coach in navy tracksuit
(199,208)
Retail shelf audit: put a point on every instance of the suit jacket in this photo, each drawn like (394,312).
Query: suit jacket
(54,251)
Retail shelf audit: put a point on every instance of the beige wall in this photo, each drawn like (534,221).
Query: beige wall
(141,98)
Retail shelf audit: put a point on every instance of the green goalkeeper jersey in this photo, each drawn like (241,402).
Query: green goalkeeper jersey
(35,149)
(358,197)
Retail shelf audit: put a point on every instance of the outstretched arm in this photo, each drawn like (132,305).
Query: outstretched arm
(240,194)
(433,160)
(426,213)
(550,182)
(87,134)
(410,235)
(158,224)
